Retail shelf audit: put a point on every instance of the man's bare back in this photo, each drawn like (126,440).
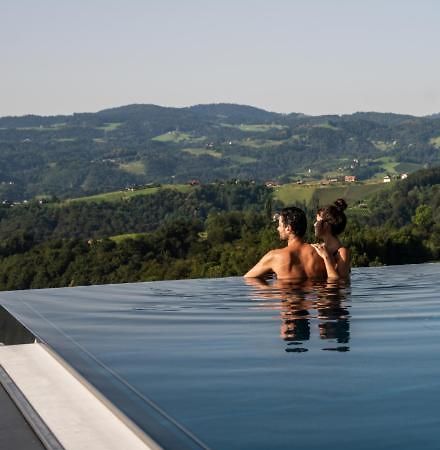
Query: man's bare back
(298,259)
(292,261)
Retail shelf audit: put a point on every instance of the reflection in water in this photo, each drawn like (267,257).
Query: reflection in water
(13,332)
(302,304)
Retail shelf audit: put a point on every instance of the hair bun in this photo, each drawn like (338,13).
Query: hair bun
(341,204)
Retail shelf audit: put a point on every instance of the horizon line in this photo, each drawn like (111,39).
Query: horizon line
(17,116)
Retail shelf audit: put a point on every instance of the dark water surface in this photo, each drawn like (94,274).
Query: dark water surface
(235,365)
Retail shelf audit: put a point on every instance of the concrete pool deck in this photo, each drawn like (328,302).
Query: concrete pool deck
(65,411)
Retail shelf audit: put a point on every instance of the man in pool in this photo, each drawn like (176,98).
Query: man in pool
(298,260)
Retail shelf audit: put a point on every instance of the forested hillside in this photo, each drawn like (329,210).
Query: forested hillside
(89,153)
(215,230)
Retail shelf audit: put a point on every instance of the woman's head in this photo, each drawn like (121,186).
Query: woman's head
(334,216)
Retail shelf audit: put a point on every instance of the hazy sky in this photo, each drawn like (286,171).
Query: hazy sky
(310,56)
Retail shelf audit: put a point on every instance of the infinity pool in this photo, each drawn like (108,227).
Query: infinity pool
(230,364)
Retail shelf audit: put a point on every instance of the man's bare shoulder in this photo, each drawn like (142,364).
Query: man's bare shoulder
(307,247)
(280,253)
(308,250)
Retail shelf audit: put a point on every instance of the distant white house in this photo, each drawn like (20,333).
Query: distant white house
(404,176)
(386,179)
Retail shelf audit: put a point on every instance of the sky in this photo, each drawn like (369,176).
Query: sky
(308,56)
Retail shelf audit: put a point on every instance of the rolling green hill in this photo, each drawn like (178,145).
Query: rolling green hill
(126,194)
(87,154)
(352,192)
(212,230)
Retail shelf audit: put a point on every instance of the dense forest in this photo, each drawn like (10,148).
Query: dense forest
(210,231)
(88,153)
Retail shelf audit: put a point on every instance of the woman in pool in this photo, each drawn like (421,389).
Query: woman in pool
(330,222)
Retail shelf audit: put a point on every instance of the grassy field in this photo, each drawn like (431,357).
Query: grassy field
(407,167)
(136,167)
(290,193)
(260,143)
(392,167)
(326,125)
(123,195)
(251,128)
(352,193)
(242,159)
(110,126)
(202,151)
(54,127)
(123,237)
(382,145)
(435,141)
(177,137)
(388,164)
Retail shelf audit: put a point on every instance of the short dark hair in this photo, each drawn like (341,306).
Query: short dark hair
(296,218)
(335,216)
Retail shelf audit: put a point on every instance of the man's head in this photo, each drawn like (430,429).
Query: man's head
(292,220)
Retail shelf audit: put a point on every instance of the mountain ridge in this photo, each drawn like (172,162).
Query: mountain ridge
(202,106)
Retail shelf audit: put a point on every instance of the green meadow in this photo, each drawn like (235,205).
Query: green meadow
(326,125)
(242,159)
(202,151)
(260,143)
(388,164)
(382,145)
(123,237)
(110,126)
(136,167)
(54,127)
(435,141)
(289,193)
(177,137)
(352,193)
(124,195)
(251,128)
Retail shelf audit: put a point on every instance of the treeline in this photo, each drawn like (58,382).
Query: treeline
(226,244)
(403,225)
(221,232)
(134,215)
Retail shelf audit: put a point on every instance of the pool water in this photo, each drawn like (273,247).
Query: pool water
(236,364)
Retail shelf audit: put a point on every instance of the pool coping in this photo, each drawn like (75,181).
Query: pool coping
(32,375)
(63,410)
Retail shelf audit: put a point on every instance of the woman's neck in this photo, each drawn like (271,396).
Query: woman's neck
(331,242)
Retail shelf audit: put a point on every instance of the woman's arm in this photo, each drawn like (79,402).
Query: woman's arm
(330,263)
(343,263)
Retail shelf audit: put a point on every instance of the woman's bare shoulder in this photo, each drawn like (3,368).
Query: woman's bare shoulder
(343,252)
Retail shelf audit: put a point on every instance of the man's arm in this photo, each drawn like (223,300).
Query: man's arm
(263,267)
